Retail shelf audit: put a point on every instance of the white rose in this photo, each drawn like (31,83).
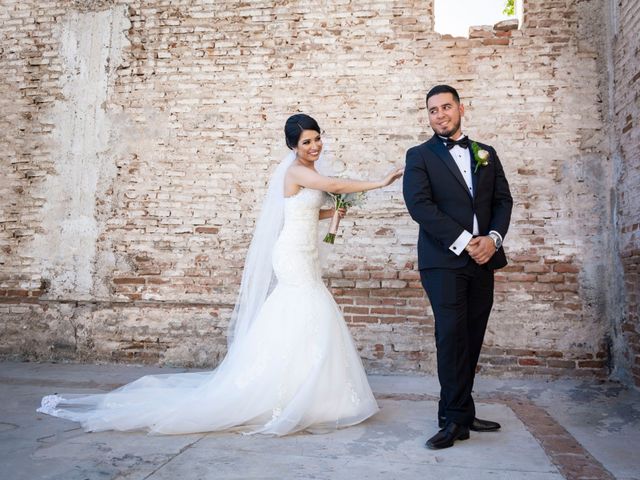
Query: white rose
(483,156)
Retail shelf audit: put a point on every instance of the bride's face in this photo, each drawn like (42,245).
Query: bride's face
(309,146)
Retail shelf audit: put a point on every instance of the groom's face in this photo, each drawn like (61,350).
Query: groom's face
(445,114)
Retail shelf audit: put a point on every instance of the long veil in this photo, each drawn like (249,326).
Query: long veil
(258,278)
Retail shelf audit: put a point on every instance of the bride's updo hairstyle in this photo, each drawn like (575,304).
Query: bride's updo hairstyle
(295,125)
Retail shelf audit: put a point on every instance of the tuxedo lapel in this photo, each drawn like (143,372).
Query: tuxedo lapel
(477,174)
(437,146)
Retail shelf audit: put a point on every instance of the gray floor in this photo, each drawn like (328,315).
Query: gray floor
(602,419)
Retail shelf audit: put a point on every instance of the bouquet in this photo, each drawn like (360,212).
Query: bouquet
(341,200)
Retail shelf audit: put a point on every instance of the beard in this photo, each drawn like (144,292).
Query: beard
(449,131)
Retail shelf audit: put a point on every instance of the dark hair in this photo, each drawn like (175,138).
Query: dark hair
(443,89)
(294,126)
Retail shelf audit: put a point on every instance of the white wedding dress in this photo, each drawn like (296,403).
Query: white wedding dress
(295,369)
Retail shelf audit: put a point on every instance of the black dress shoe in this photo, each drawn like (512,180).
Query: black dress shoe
(478,425)
(484,425)
(446,437)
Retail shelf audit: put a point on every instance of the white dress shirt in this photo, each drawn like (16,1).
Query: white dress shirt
(462,157)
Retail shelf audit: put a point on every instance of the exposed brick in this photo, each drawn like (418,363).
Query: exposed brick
(17,293)
(561,363)
(565,268)
(591,364)
(127,280)
(549,354)
(536,268)
(518,352)
(357,310)
(383,311)
(191,127)
(528,361)
(550,278)
(208,230)
(521,277)
(495,41)
(409,275)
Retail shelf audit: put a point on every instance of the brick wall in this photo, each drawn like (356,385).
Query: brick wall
(625,139)
(139,137)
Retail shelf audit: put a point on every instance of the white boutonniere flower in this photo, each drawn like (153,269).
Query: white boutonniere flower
(480,156)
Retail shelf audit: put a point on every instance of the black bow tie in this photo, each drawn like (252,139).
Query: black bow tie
(463,142)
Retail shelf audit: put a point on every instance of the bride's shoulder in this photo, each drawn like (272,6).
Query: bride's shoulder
(296,167)
(302,173)
(294,170)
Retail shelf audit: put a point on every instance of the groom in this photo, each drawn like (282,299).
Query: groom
(456,190)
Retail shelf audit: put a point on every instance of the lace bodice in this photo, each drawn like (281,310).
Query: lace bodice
(301,215)
(295,255)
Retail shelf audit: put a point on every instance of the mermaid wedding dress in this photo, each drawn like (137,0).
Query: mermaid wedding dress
(295,369)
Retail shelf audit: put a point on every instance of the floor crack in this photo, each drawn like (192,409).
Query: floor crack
(182,450)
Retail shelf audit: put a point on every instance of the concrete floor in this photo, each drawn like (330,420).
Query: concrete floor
(551,430)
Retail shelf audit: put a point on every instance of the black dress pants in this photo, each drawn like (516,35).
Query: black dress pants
(461,300)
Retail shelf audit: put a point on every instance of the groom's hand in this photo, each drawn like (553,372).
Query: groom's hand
(481,249)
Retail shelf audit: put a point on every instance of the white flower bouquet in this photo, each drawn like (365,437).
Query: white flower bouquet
(341,200)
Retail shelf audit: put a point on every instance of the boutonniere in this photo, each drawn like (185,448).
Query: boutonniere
(480,156)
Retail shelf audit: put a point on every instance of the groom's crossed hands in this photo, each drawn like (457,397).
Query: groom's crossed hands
(481,249)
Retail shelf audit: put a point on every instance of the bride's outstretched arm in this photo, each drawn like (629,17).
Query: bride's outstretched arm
(309,178)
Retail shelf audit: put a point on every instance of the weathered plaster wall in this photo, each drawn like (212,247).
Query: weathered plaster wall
(140,135)
(624,109)
(82,144)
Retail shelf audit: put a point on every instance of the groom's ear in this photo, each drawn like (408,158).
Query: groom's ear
(461,109)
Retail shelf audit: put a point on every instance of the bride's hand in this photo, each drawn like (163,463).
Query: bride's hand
(341,212)
(392,176)
(330,212)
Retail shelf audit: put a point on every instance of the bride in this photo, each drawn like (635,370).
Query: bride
(291,363)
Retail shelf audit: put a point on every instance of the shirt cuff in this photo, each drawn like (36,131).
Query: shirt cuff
(461,242)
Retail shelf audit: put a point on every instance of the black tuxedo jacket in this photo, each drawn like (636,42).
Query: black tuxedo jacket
(439,200)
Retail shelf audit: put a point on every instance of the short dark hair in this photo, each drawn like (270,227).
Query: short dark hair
(443,89)
(294,126)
